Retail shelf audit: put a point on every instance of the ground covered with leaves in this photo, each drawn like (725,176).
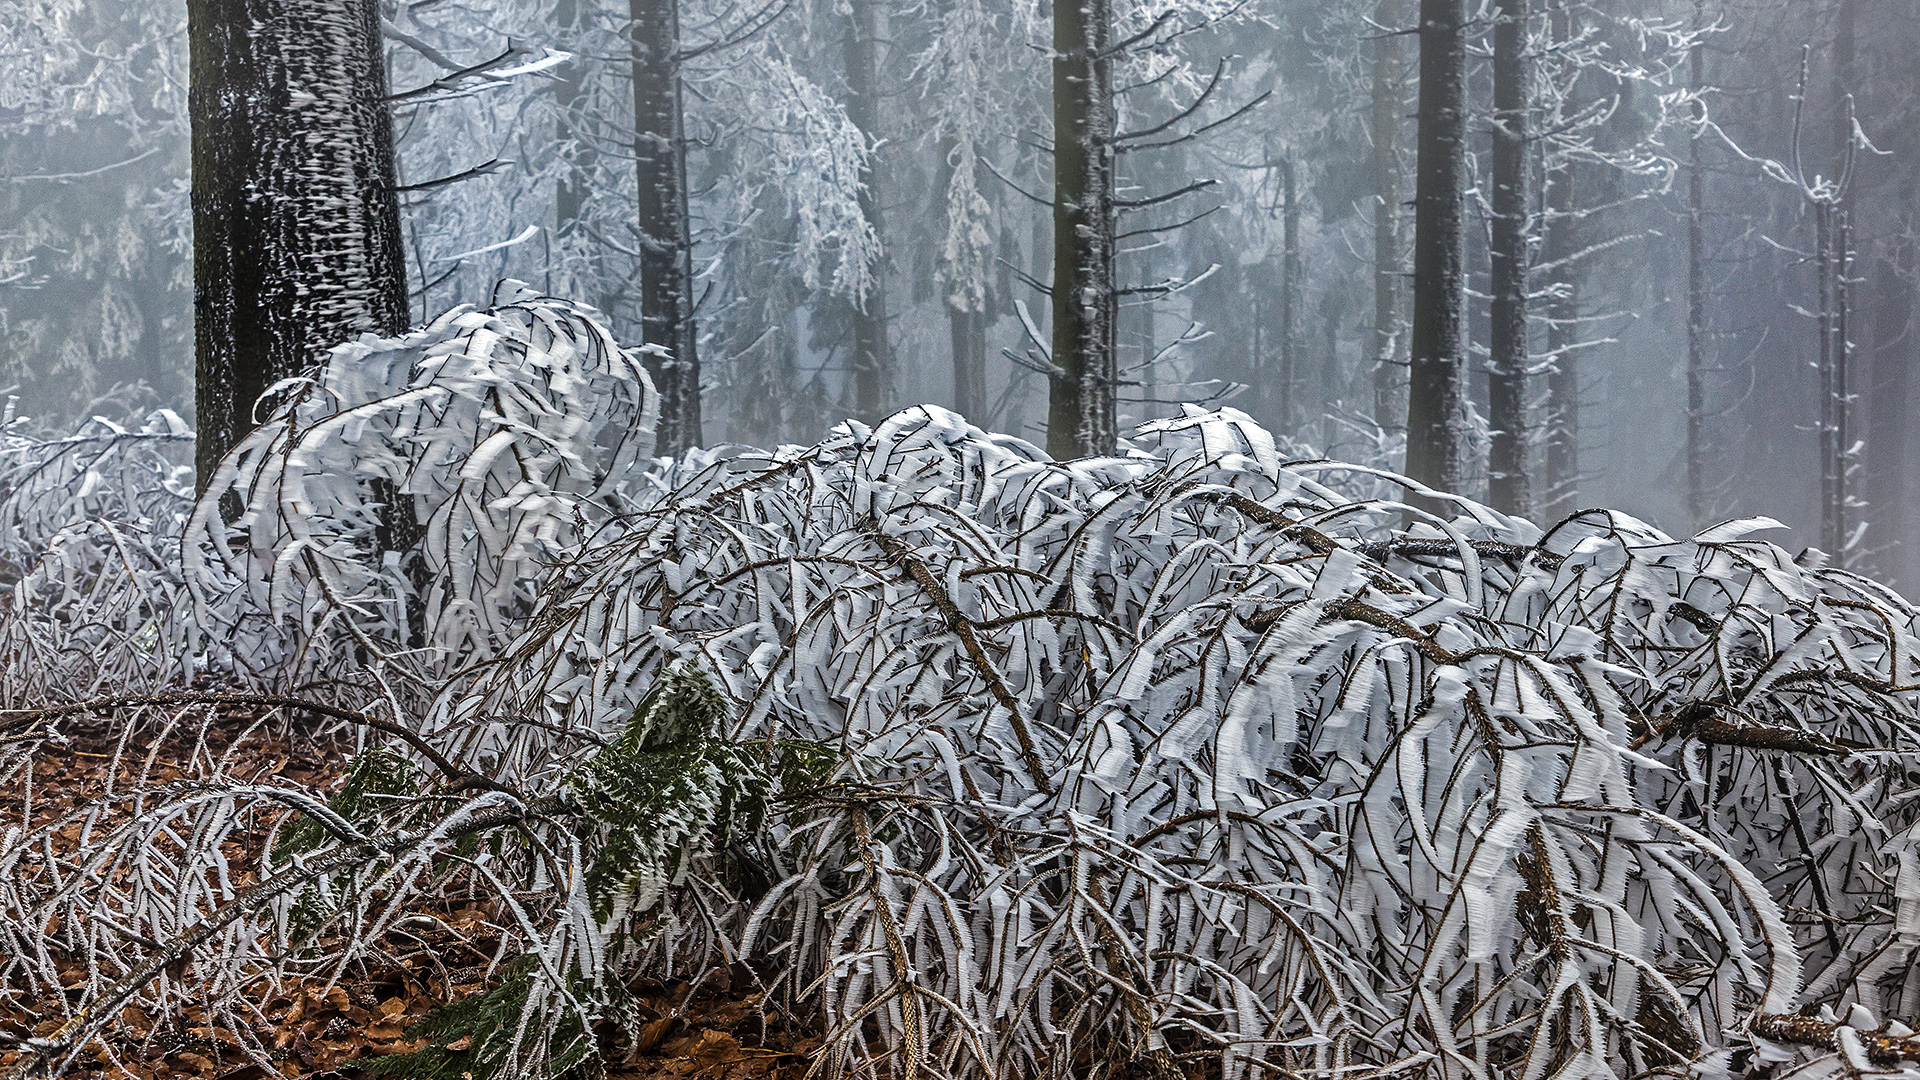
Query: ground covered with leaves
(314,1027)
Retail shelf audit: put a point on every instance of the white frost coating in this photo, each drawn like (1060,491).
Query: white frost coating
(504,431)
(1436,754)
(1157,782)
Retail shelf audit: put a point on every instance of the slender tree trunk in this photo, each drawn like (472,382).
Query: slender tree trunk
(1835,262)
(296,222)
(872,359)
(1081,419)
(1697,285)
(1149,351)
(1435,401)
(666,254)
(1830,465)
(1290,404)
(967,332)
(1389,327)
(570,191)
(1333,312)
(961,276)
(1562,419)
(1507,481)
(1894,340)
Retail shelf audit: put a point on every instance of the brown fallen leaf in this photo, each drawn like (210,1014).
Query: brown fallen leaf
(200,1062)
(655,1033)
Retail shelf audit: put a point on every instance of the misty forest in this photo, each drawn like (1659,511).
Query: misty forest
(959,539)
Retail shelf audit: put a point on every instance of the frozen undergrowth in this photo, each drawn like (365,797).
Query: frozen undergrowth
(1054,768)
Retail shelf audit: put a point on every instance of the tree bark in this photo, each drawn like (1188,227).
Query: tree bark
(1894,341)
(1835,260)
(1562,415)
(666,232)
(1697,284)
(1290,405)
(571,189)
(961,276)
(1081,419)
(1435,402)
(1389,327)
(872,359)
(1507,482)
(296,221)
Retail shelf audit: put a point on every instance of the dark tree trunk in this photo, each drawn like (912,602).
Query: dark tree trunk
(296,223)
(1894,340)
(1389,328)
(1149,351)
(1435,402)
(964,295)
(1507,483)
(1697,285)
(570,192)
(1290,405)
(967,330)
(666,232)
(1562,419)
(1081,420)
(872,360)
(1834,258)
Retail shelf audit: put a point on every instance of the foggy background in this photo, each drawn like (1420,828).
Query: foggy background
(95,255)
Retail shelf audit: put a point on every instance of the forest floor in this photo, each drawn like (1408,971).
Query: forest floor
(318,1030)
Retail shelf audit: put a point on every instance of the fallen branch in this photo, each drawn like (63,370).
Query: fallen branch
(962,628)
(458,779)
(96,1015)
(1881,1049)
(1700,721)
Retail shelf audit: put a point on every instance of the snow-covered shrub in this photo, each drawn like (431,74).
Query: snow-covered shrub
(1184,753)
(1177,759)
(410,494)
(89,522)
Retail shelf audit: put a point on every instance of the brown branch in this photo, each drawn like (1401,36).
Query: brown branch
(90,1019)
(459,778)
(1700,721)
(1881,1049)
(962,628)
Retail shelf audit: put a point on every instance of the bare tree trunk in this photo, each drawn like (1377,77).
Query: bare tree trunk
(872,359)
(1435,401)
(1290,404)
(1389,326)
(1507,481)
(964,296)
(1149,351)
(296,222)
(1562,419)
(1894,341)
(666,253)
(1080,415)
(1697,285)
(1831,510)
(1834,259)
(570,191)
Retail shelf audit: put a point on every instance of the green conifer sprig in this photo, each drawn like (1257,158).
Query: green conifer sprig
(664,796)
